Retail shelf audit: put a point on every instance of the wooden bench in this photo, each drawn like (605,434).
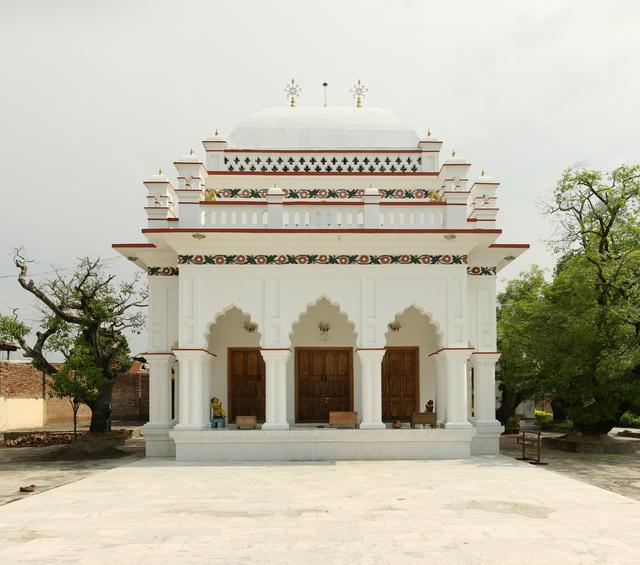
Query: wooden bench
(423,419)
(246,422)
(343,419)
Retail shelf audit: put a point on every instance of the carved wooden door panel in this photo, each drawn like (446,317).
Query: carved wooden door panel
(246,384)
(399,384)
(323,383)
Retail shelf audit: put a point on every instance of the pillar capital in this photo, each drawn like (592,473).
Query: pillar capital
(374,354)
(203,354)
(275,354)
(485,357)
(159,358)
(458,353)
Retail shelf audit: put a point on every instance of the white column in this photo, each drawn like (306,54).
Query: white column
(159,389)
(371,391)
(441,390)
(455,365)
(484,368)
(193,411)
(275,369)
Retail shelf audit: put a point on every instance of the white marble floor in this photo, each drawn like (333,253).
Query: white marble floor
(488,509)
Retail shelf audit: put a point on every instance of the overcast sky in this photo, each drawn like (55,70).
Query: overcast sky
(95,96)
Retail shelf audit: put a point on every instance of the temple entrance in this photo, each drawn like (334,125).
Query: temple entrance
(324,382)
(400,383)
(246,383)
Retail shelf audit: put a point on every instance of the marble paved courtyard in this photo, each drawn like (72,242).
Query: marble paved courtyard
(484,510)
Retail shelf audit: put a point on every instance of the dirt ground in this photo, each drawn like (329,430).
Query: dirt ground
(617,473)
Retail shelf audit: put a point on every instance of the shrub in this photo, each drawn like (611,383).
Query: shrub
(630,420)
(543,418)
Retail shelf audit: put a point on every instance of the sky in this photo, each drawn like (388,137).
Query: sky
(95,96)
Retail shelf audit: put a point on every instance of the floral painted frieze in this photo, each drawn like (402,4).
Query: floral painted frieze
(489,271)
(162,271)
(318,259)
(322,193)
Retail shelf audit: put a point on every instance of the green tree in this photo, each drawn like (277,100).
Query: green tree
(78,380)
(86,305)
(519,311)
(589,345)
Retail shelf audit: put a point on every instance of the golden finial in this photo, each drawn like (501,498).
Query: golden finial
(293,90)
(482,173)
(453,153)
(428,133)
(160,172)
(358,92)
(216,132)
(192,152)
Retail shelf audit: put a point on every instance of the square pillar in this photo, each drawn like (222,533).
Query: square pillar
(455,369)
(441,390)
(275,375)
(156,430)
(193,407)
(371,388)
(484,369)
(488,429)
(159,389)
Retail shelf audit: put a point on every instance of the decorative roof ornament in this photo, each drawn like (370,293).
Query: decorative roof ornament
(453,153)
(192,152)
(216,132)
(428,133)
(293,90)
(359,91)
(160,172)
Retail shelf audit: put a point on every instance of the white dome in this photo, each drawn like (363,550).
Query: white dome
(323,128)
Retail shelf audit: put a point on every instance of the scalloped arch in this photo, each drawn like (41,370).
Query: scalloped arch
(317,301)
(225,311)
(430,319)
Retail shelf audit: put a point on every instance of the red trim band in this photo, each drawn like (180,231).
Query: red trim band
(299,230)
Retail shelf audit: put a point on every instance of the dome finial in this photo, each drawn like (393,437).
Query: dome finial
(293,90)
(428,132)
(192,152)
(358,92)
(160,172)
(482,173)
(453,153)
(216,132)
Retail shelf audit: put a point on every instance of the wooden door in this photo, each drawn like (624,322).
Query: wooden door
(400,378)
(324,382)
(246,384)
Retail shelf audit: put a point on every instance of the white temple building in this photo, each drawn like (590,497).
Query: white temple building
(319,260)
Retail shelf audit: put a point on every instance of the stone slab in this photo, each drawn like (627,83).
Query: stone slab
(487,510)
(321,444)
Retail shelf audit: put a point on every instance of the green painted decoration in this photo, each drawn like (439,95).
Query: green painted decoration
(318,259)
(163,271)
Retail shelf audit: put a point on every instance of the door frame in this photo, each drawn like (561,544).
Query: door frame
(230,415)
(296,375)
(416,350)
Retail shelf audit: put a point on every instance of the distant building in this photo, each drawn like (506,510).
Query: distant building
(26,403)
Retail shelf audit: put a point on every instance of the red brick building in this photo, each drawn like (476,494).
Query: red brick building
(26,403)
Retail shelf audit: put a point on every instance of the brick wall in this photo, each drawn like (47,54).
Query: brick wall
(130,399)
(20,380)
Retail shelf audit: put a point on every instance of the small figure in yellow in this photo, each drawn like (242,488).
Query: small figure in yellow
(218,416)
